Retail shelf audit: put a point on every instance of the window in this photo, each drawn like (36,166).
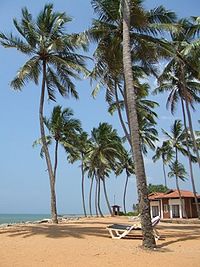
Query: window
(155,211)
(175,211)
(166,208)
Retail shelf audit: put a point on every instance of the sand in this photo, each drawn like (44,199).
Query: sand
(86,243)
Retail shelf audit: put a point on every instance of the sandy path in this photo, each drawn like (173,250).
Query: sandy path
(86,243)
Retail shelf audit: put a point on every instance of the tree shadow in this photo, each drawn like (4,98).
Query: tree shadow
(55,231)
(82,229)
(178,233)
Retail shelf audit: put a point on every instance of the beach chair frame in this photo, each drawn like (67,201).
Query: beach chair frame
(118,231)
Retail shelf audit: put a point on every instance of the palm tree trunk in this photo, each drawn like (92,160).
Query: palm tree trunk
(191,131)
(165,176)
(98,196)
(124,196)
(56,160)
(179,193)
(147,229)
(177,186)
(90,195)
(190,161)
(82,189)
(184,89)
(106,196)
(46,151)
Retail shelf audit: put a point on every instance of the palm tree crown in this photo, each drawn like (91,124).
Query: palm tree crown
(45,40)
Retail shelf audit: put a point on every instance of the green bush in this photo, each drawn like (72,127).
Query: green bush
(130,213)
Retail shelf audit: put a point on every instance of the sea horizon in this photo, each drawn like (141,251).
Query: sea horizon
(11,218)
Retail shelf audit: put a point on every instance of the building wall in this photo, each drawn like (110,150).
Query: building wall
(165,207)
(194,210)
(188,207)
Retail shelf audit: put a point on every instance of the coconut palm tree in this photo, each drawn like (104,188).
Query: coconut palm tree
(52,55)
(78,152)
(178,141)
(146,117)
(148,240)
(165,153)
(91,175)
(179,79)
(106,148)
(63,129)
(107,32)
(178,171)
(125,164)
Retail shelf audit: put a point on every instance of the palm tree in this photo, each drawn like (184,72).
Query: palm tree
(63,129)
(53,55)
(106,148)
(146,117)
(178,171)
(79,151)
(178,141)
(107,32)
(91,175)
(125,164)
(166,154)
(149,240)
(179,79)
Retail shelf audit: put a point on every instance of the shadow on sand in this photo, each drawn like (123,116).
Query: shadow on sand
(170,233)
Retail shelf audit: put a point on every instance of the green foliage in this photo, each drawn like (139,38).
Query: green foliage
(177,170)
(157,188)
(130,213)
(51,50)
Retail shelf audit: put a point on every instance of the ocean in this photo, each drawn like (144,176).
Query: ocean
(19,218)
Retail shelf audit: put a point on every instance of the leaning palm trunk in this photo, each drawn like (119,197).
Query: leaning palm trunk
(188,113)
(148,240)
(178,189)
(46,151)
(106,196)
(98,196)
(192,132)
(56,160)
(124,196)
(82,189)
(190,161)
(90,195)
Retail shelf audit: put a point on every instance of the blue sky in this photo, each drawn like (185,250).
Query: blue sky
(24,184)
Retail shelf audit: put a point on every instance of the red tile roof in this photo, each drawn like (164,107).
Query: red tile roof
(171,194)
(155,195)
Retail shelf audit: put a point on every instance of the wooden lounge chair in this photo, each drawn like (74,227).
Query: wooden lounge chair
(118,231)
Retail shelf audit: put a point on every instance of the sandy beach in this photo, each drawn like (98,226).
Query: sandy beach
(86,242)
